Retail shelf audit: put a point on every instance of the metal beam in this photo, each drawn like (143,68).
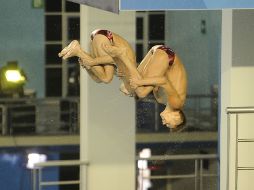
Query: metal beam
(107,5)
(176,137)
(19,141)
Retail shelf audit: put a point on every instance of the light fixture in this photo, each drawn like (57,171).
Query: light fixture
(144,182)
(145,153)
(142,164)
(34,158)
(14,76)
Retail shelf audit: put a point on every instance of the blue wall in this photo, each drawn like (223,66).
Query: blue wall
(22,39)
(200,52)
(13,172)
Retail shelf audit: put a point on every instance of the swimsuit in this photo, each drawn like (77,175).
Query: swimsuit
(106,33)
(169,51)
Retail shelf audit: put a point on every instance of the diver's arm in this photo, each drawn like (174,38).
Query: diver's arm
(151,81)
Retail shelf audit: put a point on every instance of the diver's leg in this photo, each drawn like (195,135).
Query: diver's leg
(153,65)
(104,72)
(121,54)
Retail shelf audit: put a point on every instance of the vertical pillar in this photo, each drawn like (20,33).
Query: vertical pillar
(83,102)
(225,96)
(107,116)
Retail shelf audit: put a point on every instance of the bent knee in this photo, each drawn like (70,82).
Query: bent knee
(99,39)
(97,45)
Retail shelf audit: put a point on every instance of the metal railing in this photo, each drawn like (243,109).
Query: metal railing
(236,111)
(40,116)
(3,111)
(198,174)
(37,173)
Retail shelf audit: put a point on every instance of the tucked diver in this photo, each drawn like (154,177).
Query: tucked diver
(98,63)
(162,72)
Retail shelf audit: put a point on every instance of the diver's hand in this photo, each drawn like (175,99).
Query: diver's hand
(120,73)
(83,65)
(135,83)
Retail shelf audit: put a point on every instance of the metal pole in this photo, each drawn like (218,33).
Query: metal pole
(33,173)
(181,157)
(236,153)
(4,119)
(156,119)
(201,175)
(61,163)
(228,149)
(238,110)
(196,174)
(40,178)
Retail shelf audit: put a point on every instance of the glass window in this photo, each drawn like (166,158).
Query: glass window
(139,52)
(73,80)
(72,60)
(53,28)
(74,28)
(145,116)
(72,7)
(69,173)
(53,82)
(53,5)
(156,27)
(52,54)
(139,28)
(150,45)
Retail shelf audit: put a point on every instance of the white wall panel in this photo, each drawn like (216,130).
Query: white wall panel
(107,116)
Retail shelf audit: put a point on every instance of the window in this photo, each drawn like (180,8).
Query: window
(149,32)
(62,20)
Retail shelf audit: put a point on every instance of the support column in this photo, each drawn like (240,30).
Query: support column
(225,96)
(107,116)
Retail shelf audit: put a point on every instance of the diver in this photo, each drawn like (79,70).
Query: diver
(99,65)
(162,72)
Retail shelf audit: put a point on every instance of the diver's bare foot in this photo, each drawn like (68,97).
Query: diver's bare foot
(113,51)
(73,49)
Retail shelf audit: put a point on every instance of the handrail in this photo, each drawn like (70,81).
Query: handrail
(236,139)
(51,183)
(180,157)
(152,99)
(38,168)
(38,99)
(198,175)
(31,113)
(61,163)
(231,110)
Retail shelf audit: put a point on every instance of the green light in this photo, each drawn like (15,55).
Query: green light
(14,76)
